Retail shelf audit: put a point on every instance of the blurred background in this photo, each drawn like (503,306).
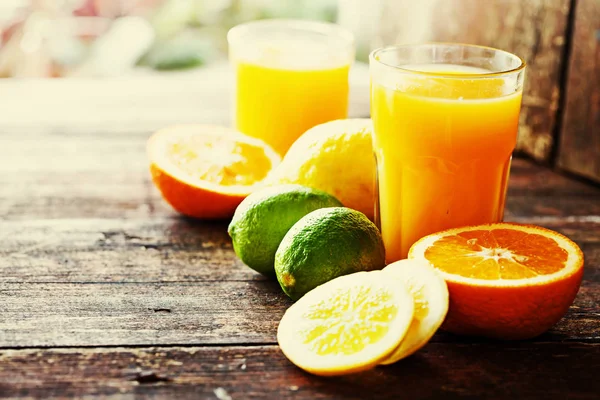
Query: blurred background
(147,63)
(141,64)
(99,38)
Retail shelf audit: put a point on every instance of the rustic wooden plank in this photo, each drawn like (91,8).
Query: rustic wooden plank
(198,313)
(139,314)
(527,206)
(105,250)
(166,249)
(582,230)
(144,101)
(533,29)
(138,102)
(528,178)
(69,174)
(579,146)
(481,370)
(186,299)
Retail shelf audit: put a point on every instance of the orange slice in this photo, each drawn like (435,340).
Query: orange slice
(205,171)
(506,281)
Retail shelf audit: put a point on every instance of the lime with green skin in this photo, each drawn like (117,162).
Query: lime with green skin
(325,244)
(263,218)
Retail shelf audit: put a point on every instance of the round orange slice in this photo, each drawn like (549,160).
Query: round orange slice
(205,171)
(506,281)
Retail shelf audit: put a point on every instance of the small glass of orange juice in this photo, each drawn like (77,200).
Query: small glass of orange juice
(445,126)
(290,75)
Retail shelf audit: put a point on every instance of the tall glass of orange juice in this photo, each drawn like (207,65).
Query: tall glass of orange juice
(290,76)
(445,125)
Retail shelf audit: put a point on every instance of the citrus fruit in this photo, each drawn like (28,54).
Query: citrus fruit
(263,218)
(346,325)
(430,296)
(506,281)
(336,157)
(205,171)
(325,244)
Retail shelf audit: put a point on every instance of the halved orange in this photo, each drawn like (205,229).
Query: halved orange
(506,281)
(205,171)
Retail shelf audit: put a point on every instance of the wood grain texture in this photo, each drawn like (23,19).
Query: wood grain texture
(448,371)
(68,174)
(528,178)
(164,250)
(92,256)
(139,314)
(72,174)
(139,101)
(532,29)
(95,270)
(195,313)
(116,250)
(67,315)
(579,147)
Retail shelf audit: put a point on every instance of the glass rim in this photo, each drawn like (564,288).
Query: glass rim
(320,27)
(482,75)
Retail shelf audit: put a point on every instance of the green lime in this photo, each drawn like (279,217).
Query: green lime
(261,221)
(325,244)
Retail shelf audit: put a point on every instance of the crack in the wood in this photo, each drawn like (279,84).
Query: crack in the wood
(146,377)
(165,310)
(563,77)
(149,346)
(453,340)
(127,236)
(187,282)
(121,238)
(151,246)
(112,234)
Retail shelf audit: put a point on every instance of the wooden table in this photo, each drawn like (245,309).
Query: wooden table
(104,291)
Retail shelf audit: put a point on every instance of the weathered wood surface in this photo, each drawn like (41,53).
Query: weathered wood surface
(139,314)
(96,270)
(92,282)
(579,150)
(163,250)
(103,173)
(84,315)
(92,256)
(138,102)
(533,29)
(444,371)
(73,279)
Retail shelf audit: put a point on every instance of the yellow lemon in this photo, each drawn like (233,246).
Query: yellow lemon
(336,157)
(346,325)
(430,295)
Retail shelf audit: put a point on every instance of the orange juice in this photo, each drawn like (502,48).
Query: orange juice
(443,146)
(290,76)
(278,104)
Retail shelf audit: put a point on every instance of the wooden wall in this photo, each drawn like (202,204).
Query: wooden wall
(533,29)
(579,141)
